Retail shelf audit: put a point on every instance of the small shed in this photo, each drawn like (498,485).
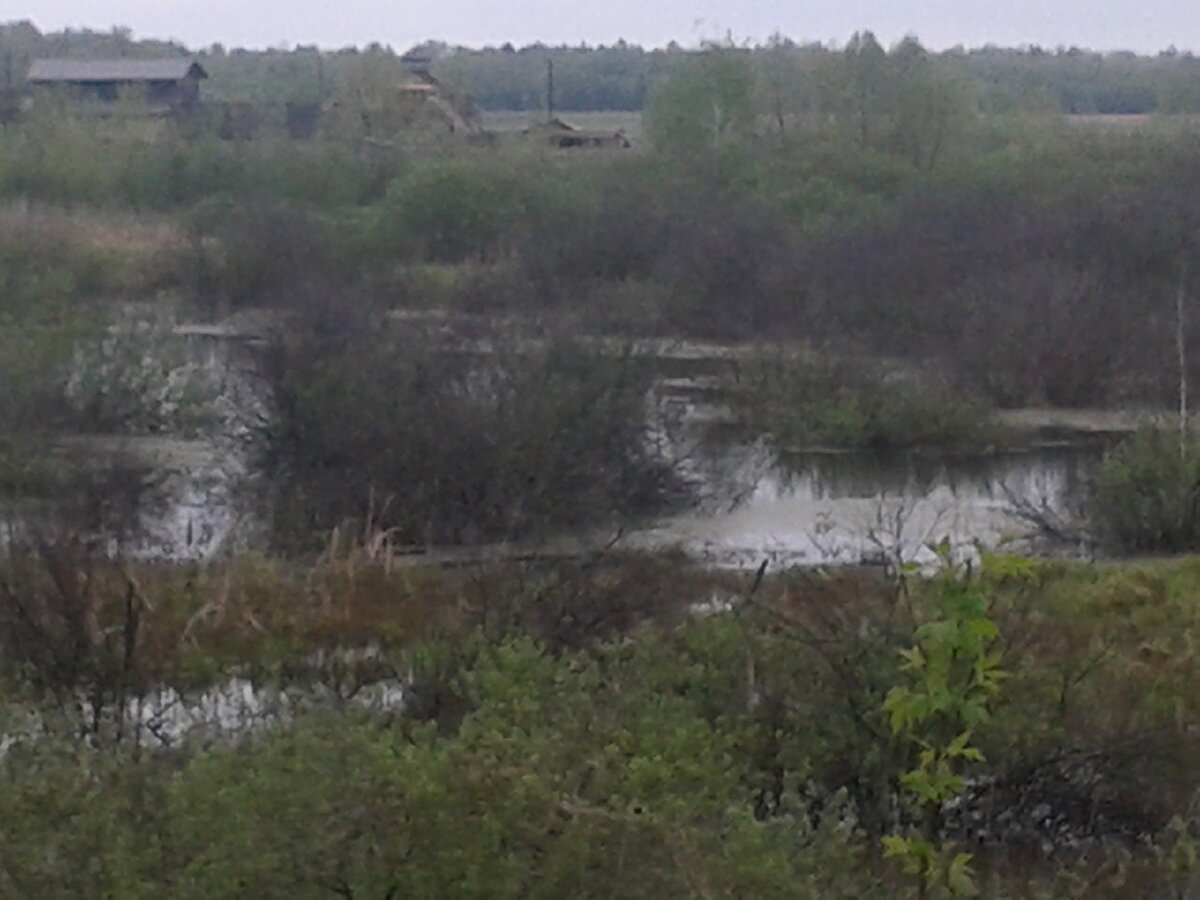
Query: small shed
(565,136)
(166,84)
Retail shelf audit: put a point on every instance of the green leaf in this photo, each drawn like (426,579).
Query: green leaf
(895,846)
(960,877)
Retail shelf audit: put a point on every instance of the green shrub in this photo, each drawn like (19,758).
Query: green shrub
(563,768)
(507,441)
(749,753)
(53,290)
(256,251)
(806,402)
(1145,495)
(61,809)
(456,211)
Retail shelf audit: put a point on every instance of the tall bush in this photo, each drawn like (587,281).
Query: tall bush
(1146,494)
(495,441)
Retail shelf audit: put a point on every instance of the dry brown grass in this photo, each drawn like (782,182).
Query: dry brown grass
(72,613)
(107,230)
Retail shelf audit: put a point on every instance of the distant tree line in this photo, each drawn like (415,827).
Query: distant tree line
(622,76)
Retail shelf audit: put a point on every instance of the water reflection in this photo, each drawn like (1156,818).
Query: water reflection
(817,509)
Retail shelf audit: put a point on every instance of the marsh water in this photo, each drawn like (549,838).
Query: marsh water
(851,508)
(194,498)
(191,498)
(751,504)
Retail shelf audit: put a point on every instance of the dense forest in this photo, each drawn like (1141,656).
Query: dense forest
(622,76)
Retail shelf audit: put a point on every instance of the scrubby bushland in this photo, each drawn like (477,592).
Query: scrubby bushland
(80,623)
(711,263)
(160,165)
(754,753)
(58,284)
(1145,495)
(1030,263)
(732,272)
(1028,300)
(1137,624)
(457,211)
(253,251)
(803,401)
(457,440)
(604,220)
(1021,340)
(1025,275)
(538,784)
(1020,263)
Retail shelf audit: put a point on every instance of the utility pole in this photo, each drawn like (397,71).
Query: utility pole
(1181,351)
(549,89)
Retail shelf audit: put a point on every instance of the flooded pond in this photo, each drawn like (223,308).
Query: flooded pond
(802,510)
(829,509)
(809,509)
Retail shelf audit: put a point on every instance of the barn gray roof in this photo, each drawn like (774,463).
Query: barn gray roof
(46,71)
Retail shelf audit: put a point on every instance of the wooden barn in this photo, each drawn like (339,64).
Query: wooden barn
(164,85)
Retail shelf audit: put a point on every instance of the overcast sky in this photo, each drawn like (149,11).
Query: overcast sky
(1143,25)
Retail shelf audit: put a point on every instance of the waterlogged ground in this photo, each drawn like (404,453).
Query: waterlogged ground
(176,484)
(165,718)
(858,508)
(820,509)
(816,509)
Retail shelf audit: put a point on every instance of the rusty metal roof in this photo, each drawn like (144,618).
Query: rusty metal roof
(53,71)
